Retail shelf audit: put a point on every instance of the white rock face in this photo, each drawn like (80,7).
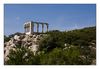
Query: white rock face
(16,37)
(34,48)
(29,41)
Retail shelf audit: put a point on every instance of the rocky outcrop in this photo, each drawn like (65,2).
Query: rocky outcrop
(29,41)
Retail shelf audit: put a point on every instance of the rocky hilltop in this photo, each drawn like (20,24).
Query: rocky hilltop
(29,41)
(76,47)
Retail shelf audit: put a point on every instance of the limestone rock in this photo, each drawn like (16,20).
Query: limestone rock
(16,37)
(29,41)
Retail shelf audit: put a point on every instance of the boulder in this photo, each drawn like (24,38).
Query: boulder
(30,35)
(29,44)
(7,44)
(25,38)
(13,45)
(16,37)
(35,48)
(22,37)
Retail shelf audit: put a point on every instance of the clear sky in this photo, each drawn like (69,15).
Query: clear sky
(59,16)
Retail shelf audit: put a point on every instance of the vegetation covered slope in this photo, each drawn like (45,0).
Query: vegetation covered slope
(76,47)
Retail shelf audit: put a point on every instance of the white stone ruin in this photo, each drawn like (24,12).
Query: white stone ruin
(29,27)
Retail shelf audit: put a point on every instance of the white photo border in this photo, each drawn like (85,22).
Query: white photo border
(97,2)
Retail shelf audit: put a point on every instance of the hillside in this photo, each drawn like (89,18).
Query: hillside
(76,47)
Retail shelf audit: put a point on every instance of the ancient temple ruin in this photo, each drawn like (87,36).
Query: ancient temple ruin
(30,27)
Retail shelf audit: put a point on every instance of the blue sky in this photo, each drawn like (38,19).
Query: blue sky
(59,16)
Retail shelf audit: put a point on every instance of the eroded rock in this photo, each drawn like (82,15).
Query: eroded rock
(28,41)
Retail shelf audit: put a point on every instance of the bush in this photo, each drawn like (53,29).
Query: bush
(6,39)
(21,56)
(61,57)
(53,40)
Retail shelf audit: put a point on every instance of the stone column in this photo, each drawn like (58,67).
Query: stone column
(32,27)
(25,28)
(28,29)
(47,27)
(42,28)
(37,27)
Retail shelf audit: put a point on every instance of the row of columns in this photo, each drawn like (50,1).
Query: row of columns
(42,27)
(29,27)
